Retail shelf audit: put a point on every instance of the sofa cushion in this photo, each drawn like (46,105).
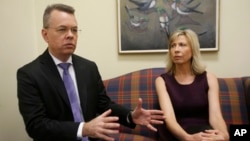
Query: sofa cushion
(126,89)
(131,137)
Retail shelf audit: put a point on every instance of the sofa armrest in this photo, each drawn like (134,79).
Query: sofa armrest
(233,101)
(246,83)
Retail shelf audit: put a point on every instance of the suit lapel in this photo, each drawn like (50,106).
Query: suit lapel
(81,82)
(51,71)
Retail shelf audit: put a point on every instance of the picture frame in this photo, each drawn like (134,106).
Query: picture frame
(144,26)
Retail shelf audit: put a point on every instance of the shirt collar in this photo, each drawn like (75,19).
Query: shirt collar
(57,61)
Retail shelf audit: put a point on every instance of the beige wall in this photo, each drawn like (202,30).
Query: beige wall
(20,42)
(99,39)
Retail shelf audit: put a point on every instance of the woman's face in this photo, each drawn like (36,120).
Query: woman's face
(180,50)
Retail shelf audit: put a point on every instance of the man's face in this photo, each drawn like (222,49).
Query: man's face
(61,34)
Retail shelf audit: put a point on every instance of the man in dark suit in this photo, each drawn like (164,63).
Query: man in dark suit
(43,98)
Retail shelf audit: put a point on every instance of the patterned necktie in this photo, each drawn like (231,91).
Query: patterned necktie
(71,91)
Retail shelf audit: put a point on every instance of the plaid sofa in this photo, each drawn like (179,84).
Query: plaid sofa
(127,88)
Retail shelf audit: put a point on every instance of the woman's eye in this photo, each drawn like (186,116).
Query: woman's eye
(173,45)
(182,44)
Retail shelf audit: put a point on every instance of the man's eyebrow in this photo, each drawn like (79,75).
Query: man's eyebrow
(67,26)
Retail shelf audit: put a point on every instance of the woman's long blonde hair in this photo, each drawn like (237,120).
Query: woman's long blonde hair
(196,65)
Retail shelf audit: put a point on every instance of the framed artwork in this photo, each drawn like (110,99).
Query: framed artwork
(144,26)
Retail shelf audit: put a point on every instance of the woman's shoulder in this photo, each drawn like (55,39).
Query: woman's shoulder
(160,77)
(211,75)
(211,78)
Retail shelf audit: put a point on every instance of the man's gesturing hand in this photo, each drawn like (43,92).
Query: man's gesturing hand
(147,117)
(102,126)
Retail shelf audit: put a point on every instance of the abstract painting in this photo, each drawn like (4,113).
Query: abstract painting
(145,25)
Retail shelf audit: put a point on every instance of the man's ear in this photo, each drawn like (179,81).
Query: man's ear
(45,34)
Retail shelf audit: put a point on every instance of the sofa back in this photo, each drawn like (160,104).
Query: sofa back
(127,88)
(234,98)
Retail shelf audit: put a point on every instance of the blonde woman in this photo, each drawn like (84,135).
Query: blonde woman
(188,94)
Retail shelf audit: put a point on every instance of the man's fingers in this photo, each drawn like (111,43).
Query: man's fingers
(112,119)
(156,112)
(151,128)
(156,121)
(106,113)
(110,131)
(111,125)
(107,118)
(139,105)
(157,115)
